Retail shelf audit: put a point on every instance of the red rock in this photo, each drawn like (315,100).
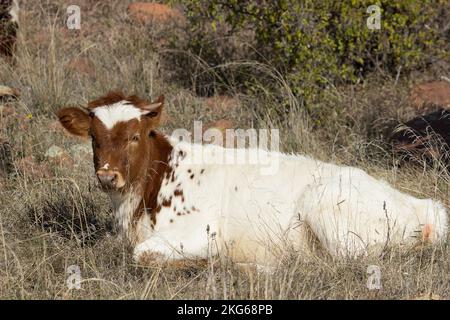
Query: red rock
(434,92)
(81,65)
(221,103)
(222,125)
(145,13)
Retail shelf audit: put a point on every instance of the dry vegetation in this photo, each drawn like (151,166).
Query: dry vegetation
(52,215)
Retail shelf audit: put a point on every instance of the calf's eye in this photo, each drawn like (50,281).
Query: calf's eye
(135,138)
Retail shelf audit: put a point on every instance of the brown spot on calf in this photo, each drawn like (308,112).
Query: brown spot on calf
(167,202)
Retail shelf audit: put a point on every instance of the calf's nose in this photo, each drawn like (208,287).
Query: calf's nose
(107,178)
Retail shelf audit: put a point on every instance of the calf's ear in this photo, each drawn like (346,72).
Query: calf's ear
(75,120)
(153,111)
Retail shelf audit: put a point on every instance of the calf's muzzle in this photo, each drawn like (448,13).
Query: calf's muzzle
(110,179)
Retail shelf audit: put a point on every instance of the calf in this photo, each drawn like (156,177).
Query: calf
(172,207)
(9,23)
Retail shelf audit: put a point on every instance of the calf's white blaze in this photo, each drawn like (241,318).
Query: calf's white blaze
(121,111)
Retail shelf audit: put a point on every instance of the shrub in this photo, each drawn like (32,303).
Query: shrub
(314,43)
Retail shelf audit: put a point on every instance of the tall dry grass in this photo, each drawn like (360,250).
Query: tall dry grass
(52,215)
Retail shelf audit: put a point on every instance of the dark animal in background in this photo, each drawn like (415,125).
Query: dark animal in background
(9,24)
(425,137)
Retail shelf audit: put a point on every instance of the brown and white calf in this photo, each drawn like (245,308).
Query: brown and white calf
(9,24)
(169,205)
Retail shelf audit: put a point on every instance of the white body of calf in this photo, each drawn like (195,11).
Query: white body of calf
(250,214)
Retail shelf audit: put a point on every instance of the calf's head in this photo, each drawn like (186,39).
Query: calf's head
(120,128)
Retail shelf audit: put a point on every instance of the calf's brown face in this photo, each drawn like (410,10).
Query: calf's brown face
(120,129)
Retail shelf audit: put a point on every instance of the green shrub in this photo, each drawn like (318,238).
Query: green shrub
(313,43)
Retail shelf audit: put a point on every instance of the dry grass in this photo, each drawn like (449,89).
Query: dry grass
(51,220)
